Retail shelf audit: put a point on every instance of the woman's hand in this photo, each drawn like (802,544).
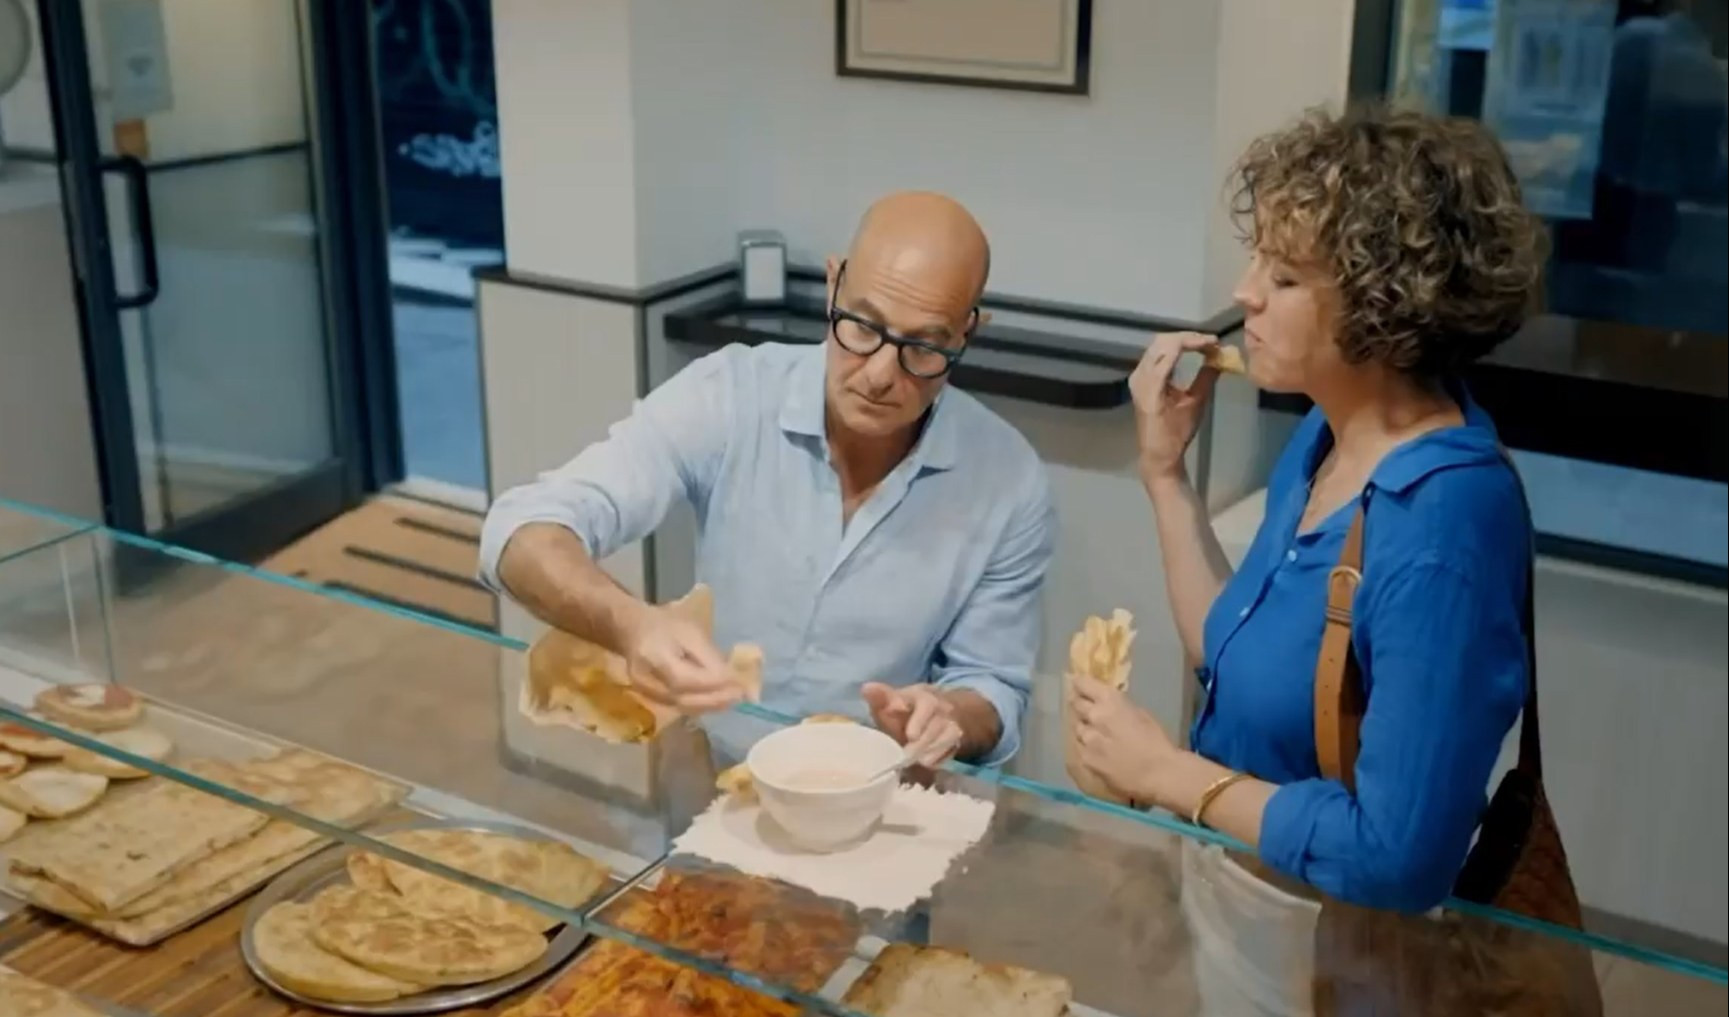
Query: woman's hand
(1166,417)
(1122,744)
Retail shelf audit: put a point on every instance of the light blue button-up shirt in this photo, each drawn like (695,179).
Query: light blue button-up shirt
(937,578)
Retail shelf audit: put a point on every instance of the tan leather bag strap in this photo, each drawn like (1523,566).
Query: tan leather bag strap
(1339,702)
(1339,698)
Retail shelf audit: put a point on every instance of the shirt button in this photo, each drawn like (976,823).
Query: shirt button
(1244,613)
(1291,555)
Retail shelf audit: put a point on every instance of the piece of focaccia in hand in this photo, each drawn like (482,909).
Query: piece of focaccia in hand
(1100,651)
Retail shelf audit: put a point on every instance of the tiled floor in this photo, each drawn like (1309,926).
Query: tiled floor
(404,552)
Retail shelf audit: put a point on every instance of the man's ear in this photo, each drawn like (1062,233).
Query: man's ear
(832,265)
(983,320)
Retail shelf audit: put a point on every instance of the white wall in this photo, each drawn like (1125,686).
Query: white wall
(1093,199)
(1303,47)
(1635,711)
(735,119)
(47,450)
(47,447)
(556,371)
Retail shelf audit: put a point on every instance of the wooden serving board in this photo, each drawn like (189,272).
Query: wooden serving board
(198,973)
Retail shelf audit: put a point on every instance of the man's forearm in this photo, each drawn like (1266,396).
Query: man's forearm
(546,568)
(981,726)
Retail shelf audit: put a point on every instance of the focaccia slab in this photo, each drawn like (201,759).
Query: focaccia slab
(112,856)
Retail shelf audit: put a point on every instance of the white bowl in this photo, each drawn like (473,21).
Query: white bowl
(819,818)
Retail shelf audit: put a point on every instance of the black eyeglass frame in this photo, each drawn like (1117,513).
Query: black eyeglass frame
(901,343)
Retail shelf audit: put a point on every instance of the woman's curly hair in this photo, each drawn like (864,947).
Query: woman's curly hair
(1419,220)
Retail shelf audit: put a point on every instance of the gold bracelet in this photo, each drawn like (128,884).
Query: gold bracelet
(1214,790)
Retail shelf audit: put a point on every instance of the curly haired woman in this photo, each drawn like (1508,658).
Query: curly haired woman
(1390,249)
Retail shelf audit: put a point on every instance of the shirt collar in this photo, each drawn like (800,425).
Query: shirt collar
(802,413)
(1471,444)
(802,410)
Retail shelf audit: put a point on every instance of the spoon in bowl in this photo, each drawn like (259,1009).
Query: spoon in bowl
(897,766)
(907,759)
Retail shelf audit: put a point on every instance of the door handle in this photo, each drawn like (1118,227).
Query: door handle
(138,194)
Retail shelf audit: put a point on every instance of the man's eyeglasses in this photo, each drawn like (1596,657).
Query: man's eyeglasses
(920,358)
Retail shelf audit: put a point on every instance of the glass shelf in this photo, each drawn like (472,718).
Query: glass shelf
(234,663)
(23,530)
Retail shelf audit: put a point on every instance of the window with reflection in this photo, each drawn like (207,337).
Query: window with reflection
(1615,116)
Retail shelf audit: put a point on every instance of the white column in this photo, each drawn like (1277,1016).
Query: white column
(567,139)
(559,367)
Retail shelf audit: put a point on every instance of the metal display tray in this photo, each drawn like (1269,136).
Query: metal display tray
(329,868)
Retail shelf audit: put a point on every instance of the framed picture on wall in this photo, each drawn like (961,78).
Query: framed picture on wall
(1035,45)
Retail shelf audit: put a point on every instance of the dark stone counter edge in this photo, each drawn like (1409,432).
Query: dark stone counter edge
(1603,422)
(1220,323)
(699,326)
(1594,420)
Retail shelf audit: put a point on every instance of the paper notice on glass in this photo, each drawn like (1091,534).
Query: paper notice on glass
(1544,93)
(135,44)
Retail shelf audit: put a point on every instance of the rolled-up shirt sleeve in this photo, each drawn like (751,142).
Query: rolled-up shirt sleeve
(993,644)
(617,490)
(1447,657)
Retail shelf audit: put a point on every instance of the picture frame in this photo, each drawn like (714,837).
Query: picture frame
(1025,45)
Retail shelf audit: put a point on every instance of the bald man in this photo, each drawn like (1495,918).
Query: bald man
(882,537)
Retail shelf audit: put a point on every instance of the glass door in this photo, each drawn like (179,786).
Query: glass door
(215,256)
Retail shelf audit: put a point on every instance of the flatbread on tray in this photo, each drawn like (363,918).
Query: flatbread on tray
(11,821)
(147,929)
(191,869)
(52,792)
(380,934)
(366,872)
(23,996)
(915,981)
(277,839)
(144,742)
(314,786)
(28,741)
(91,706)
(282,940)
(163,831)
(546,870)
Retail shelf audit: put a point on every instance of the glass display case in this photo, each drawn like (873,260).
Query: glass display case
(275,760)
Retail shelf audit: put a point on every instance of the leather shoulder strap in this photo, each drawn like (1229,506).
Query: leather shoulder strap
(1530,738)
(1339,700)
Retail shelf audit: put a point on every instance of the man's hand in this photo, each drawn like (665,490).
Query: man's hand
(917,716)
(673,661)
